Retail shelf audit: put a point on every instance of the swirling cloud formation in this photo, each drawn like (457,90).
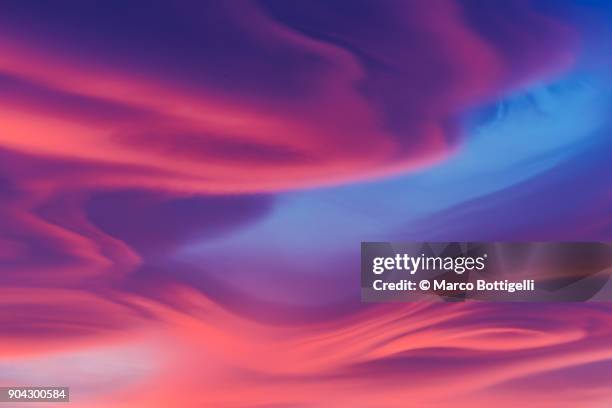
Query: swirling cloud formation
(184,186)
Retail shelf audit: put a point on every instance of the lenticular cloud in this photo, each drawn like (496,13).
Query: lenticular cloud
(184,187)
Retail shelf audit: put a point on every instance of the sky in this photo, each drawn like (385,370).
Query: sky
(184,187)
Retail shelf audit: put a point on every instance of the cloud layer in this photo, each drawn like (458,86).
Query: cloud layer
(183,190)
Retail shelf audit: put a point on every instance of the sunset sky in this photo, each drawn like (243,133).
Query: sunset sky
(184,187)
